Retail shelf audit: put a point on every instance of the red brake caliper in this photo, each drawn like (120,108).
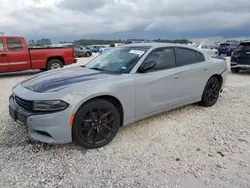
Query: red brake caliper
(105,118)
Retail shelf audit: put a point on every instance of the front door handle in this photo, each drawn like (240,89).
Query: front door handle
(205,69)
(176,77)
(2,55)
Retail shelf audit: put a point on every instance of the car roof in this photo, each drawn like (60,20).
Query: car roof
(157,45)
(245,42)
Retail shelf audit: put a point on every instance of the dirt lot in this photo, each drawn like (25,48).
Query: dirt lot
(190,147)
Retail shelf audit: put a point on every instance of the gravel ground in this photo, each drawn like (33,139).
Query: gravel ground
(189,147)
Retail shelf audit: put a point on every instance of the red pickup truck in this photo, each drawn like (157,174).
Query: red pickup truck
(16,56)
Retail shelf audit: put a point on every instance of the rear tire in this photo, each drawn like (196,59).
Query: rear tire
(87,54)
(235,70)
(96,124)
(54,64)
(211,92)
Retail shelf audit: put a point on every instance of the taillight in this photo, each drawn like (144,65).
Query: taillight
(73,51)
(235,51)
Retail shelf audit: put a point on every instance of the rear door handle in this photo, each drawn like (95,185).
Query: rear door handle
(205,69)
(2,55)
(176,77)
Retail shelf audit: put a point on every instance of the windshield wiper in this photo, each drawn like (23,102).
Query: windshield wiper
(95,68)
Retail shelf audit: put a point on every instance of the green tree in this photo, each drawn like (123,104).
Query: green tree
(38,43)
(43,42)
(31,43)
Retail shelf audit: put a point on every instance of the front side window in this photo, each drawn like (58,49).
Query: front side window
(1,45)
(120,60)
(187,56)
(14,44)
(163,57)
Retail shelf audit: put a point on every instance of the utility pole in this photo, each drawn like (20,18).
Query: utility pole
(2,33)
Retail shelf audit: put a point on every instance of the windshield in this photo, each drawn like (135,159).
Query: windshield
(120,60)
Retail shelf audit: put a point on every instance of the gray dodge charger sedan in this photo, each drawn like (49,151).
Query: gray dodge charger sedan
(89,103)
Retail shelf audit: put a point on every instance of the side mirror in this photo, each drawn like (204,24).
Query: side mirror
(146,66)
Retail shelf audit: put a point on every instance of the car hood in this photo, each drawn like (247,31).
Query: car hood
(57,80)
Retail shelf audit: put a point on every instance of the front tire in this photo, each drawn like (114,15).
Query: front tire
(54,64)
(235,70)
(96,124)
(211,92)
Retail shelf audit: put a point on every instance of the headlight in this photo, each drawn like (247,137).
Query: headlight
(54,105)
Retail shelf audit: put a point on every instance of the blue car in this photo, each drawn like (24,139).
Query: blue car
(227,48)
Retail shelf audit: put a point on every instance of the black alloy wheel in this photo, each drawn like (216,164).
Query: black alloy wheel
(211,92)
(87,54)
(96,124)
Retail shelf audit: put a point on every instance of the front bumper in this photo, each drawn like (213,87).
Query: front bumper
(48,128)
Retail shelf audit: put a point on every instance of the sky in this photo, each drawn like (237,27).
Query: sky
(67,20)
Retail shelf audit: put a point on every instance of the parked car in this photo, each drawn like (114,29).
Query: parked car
(240,59)
(80,51)
(103,50)
(16,56)
(92,49)
(90,103)
(210,50)
(227,48)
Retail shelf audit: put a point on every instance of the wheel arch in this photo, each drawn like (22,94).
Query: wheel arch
(60,58)
(112,99)
(219,77)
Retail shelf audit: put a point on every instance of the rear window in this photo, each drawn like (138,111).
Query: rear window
(244,46)
(1,45)
(225,44)
(14,44)
(228,44)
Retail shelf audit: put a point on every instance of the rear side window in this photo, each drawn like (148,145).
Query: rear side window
(1,45)
(14,44)
(186,57)
(204,47)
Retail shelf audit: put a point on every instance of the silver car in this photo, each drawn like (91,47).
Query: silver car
(89,103)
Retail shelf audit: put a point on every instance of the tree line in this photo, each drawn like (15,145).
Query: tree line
(181,41)
(41,42)
(95,41)
(44,42)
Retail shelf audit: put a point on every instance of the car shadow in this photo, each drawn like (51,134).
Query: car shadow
(244,72)
(21,73)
